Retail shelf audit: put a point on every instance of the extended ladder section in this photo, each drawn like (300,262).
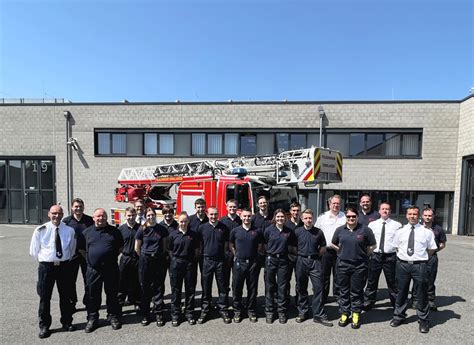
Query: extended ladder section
(287,167)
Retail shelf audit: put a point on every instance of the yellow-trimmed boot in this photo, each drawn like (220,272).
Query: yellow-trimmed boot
(355,320)
(344,320)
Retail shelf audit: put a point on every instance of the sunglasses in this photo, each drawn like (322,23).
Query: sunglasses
(351,217)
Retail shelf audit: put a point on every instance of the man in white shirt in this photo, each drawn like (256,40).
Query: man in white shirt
(383,258)
(53,245)
(415,244)
(140,207)
(328,222)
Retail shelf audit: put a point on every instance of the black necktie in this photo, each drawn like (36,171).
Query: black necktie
(411,242)
(382,238)
(59,248)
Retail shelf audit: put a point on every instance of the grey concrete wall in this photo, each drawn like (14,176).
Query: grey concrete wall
(40,130)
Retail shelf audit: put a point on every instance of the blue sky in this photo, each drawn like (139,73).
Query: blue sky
(105,51)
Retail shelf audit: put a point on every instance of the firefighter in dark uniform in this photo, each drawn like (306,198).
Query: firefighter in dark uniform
(171,225)
(353,242)
(293,222)
(129,285)
(279,241)
(383,258)
(415,244)
(197,219)
(231,221)
(183,249)
(311,245)
(245,243)
(260,221)
(53,245)
(79,222)
(440,240)
(214,241)
(366,214)
(103,244)
(151,242)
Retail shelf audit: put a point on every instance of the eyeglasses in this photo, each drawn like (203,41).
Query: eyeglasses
(351,217)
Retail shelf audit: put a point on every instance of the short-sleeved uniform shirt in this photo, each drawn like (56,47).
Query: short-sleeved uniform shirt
(391,227)
(152,239)
(366,218)
(353,244)
(170,227)
(231,223)
(276,241)
(128,234)
(424,239)
(102,245)
(328,223)
(183,245)
(213,239)
(309,241)
(78,225)
(195,222)
(246,242)
(439,234)
(261,222)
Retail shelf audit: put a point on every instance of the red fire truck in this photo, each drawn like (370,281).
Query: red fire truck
(216,181)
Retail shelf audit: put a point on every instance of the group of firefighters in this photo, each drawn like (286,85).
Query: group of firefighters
(131,262)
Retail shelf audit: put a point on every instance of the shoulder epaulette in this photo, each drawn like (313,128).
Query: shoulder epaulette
(42,227)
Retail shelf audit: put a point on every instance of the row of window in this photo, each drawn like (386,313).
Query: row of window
(351,144)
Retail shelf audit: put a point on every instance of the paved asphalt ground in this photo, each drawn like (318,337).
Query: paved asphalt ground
(453,323)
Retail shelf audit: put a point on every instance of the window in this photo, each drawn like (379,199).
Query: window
(151,143)
(410,145)
(298,141)
(339,142)
(375,145)
(231,142)
(392,144)
(283,142)
(359,143)
(104,144)
(166,144)
(119,142)
(214,144)
(198,144)
(248,145)
(134,144)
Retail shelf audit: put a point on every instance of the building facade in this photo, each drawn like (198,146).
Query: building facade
(406,152)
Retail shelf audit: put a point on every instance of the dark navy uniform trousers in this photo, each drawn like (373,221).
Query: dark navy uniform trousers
(129,285)
(351,279)
(406,271)
(48,274)
(379,262)
(245,271)
(108,276)
(277,273)
(182,270)
(151,273)
(212,266)
(309,268)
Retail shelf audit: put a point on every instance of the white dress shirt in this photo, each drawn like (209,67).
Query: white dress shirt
(391,227)
(328,223)
(43,242)
(424,239)
(140,219)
